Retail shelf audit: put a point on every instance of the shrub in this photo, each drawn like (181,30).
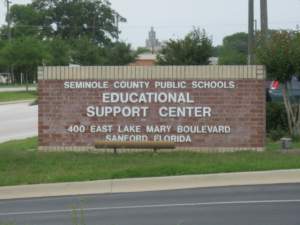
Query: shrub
(275,135)
(277,125)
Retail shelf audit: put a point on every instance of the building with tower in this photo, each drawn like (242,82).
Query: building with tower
(152,43)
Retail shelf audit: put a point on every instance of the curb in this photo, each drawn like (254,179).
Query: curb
(17,102)
(150,184)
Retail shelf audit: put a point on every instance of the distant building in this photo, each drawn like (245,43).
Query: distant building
(152,43)
(5,78)
(213,61)
(145,59)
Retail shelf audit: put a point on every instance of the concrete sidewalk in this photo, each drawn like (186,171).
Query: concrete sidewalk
(150,184)
(29,101)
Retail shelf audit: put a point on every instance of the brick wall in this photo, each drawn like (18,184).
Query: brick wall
(242,108)
(143,62)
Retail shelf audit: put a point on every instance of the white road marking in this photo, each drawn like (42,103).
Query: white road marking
(171,205)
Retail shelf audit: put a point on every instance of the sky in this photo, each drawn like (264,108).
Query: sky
(175,18)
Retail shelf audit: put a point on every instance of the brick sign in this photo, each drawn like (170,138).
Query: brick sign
(211,108)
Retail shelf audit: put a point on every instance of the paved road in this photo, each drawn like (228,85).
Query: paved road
(18,121)
(14,89)
(252,205)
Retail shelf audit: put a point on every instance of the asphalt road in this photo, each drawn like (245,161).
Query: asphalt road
(18,121)
(251,205)
(15,89)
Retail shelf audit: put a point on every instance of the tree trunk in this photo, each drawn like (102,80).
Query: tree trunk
(292,111)
(26,77)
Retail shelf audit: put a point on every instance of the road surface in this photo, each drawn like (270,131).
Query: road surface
(250,205)
(18,121)
(15,89)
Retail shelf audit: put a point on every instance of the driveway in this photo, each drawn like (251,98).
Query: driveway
(18,121)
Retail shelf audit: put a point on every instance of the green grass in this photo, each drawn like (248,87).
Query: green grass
(21,163)
(17,96)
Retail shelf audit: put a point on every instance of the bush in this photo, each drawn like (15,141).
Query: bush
(275,135)
(277,125)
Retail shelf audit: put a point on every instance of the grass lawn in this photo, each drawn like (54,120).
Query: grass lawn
(17,96)
(21,163)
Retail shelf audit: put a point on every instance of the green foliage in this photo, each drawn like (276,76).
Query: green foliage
(24,55)
(3,66)
(60,52)
(232,57)
(77,18)
(2,44)
(85,52)
(119,53)
(194,49)
(276,135)
(234,50)
(26,21)
(281,54)
(141,50)
(237,41)
(277,124)
(276,117)
(216,51)
(295,58)
(59,33)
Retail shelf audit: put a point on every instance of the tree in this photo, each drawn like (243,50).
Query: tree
(234,50)
(119,53)
(66,19)
(216,51)
(60,52)
(142,50)
(281,55)
(24,55)
(85,52)
(26,21)
(60,32)
(3,66)
(78,18)
(194,49)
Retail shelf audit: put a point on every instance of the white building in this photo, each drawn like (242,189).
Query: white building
(152,43)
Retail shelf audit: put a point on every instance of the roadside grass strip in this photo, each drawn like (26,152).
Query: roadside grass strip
(21,163)
(17,96)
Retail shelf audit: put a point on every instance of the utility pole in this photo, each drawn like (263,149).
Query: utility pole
(264,18)
(8,20)
(9,36)
(117,24)
(251,33)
